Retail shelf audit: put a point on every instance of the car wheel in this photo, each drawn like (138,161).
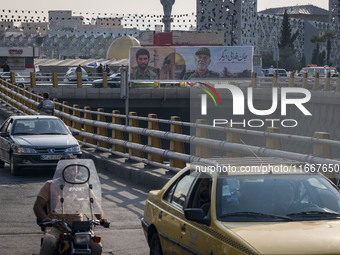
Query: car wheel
(155,245)
(14,169)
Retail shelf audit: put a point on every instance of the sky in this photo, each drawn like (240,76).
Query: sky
(134,6)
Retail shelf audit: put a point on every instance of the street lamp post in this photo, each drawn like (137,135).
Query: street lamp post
(124,90)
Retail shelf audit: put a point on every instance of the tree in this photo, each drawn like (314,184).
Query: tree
(316,54)
(322,58)
(303,62)
(328,36)
(267,59)
(288,59)
(287,40)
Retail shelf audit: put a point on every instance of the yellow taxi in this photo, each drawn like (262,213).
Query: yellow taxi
(244,206)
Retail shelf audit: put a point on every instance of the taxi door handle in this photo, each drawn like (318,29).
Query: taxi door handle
(160,215)
(183,227)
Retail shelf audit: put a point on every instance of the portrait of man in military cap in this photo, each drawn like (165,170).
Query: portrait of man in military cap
(142,71)
(203,60)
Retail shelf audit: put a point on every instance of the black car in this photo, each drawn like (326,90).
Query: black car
(35,141)
(113,81)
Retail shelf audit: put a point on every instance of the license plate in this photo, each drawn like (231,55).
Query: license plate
(50,157)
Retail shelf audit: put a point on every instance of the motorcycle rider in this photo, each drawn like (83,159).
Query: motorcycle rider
(51,235)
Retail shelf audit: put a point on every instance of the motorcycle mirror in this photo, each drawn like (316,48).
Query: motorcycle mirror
(76,174)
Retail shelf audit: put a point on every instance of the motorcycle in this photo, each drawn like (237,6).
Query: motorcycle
(75,190)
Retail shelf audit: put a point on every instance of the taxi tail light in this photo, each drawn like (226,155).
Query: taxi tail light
(96,239)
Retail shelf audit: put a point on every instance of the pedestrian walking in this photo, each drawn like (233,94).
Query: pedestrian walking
(107,69)
(5,67)
(100,70)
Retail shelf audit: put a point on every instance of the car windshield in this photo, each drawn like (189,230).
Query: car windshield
(72,71)
(9,74)
(332,71)
(4,74)
(276,197)
(39,127)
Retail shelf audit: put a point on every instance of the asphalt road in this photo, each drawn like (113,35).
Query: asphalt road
(123,204)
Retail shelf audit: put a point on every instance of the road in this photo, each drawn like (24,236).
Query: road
(123,204)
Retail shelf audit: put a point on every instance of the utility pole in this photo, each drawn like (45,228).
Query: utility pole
(124,90)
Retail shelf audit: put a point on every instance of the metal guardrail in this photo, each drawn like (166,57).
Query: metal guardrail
(313,83)
(25,102)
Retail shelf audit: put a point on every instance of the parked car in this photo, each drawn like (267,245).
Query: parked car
(19,80)
(113,81)
(263,206)
(71,75)
(35,141)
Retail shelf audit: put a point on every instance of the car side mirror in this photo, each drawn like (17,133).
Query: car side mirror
(4,134)
(74,133)
(197,215)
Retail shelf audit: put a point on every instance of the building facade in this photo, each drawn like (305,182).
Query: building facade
(244,26)
(237,19)
(63,20)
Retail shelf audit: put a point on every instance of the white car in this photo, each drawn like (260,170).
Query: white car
(322,70)
(71,75)
(19,80)
(280,72)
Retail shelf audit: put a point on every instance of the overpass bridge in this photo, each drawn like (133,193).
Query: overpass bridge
(158,147)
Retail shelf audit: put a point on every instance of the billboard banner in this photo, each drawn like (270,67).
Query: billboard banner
(19,51)
(190,63)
